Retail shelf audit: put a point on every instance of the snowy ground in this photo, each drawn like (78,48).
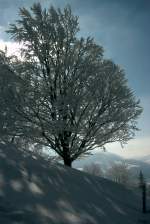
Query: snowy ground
(33,191)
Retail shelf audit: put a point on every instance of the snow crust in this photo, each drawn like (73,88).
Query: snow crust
(35,191)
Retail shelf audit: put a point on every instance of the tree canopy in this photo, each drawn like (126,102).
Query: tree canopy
(67,96)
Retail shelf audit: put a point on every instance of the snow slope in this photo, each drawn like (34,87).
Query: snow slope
(33,191)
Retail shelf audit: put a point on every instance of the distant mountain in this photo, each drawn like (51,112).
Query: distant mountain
(145,159)
(106,159)
(138,165)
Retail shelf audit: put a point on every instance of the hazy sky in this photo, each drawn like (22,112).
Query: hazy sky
(122,28)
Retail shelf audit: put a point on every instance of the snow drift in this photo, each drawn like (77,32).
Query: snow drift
(34,191)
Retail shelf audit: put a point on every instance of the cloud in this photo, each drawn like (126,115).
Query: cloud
(12,47)
(138,147)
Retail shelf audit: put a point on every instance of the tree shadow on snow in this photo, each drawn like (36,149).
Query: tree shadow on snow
(35,191)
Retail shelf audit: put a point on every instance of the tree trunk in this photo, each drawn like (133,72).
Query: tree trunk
(66,152)
(144,198)
(67,161)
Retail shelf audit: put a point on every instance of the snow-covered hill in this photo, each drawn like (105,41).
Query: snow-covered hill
(33,191)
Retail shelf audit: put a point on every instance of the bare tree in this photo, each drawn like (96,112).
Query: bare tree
(69,97)
(119,172)
(8,119)
(93,169)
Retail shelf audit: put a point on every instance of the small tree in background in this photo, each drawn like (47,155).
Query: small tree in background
(67,96)
(93,169)
(142,185)
(119,173)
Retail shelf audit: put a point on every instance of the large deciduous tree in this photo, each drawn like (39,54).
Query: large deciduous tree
(8,119)
(69,97)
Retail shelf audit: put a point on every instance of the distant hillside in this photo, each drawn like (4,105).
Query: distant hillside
(106,159)
(33,191)
(145,159)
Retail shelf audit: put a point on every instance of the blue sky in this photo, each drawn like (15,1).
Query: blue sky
(122,28)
